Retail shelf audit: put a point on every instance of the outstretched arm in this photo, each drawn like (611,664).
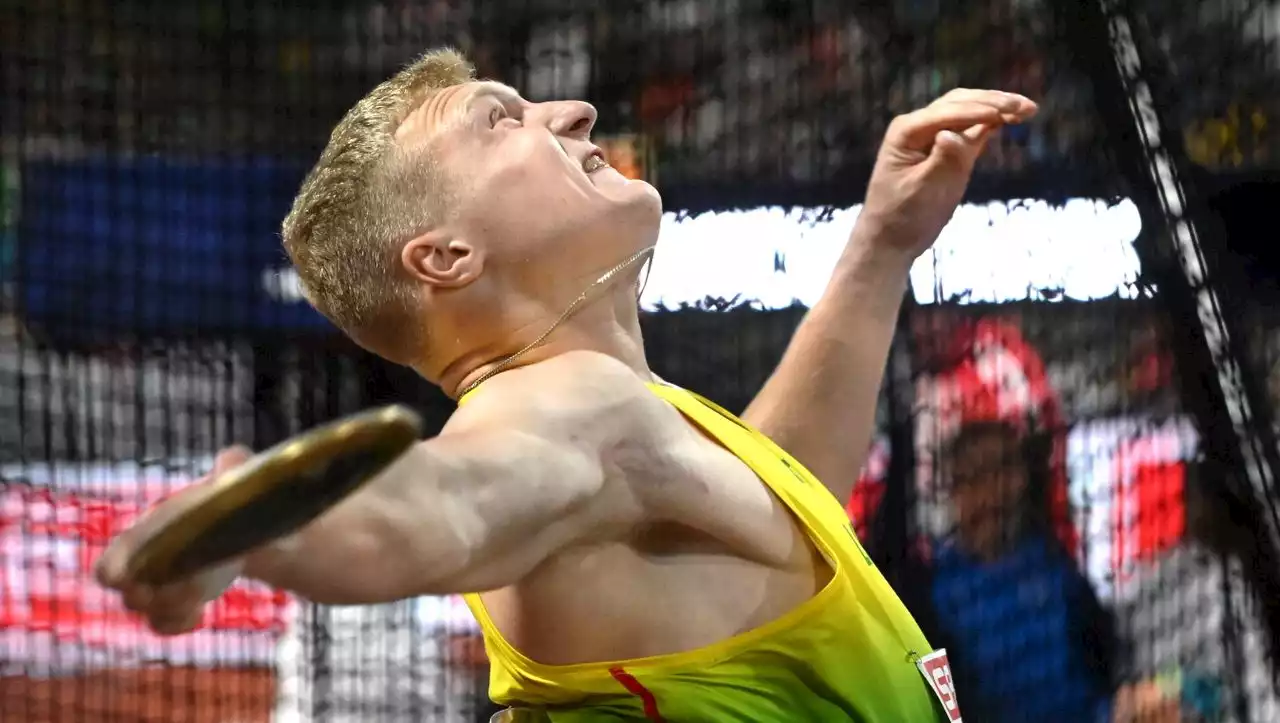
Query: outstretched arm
(509,482)
(464,512)
(819,404)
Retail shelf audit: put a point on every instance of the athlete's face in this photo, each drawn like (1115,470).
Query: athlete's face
(527,185)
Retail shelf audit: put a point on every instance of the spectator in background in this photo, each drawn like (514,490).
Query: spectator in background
(999,585)
(1027,638)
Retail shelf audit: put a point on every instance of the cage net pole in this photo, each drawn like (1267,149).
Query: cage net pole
(1164,186)
(1129,83)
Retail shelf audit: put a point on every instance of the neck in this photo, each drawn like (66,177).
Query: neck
(609,325)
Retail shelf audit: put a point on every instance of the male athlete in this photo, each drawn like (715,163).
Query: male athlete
(630,551)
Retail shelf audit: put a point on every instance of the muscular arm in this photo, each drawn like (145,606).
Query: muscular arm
(820,402)
(468,511)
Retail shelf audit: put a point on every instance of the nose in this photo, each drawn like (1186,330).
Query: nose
(572,118)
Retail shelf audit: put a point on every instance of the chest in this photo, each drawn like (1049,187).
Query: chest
(698,493)
(716,553)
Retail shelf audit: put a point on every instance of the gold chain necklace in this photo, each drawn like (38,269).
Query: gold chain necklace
(605,278)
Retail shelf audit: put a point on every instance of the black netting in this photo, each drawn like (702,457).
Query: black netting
(1057,487)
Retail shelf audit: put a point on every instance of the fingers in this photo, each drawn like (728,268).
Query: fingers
(957,151)
(949,145)
(175,611)
(177,597)
(164,601)
(112,569)
(109,570)
(177,608)
(230,458)
(960,111)
(963,147)
(1012,104)
(917,130)
(169,610)
(978,133)
(137,598)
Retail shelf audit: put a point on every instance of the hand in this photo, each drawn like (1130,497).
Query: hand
(175,608)
(925,163)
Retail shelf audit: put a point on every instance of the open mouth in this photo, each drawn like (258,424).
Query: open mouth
(594,162)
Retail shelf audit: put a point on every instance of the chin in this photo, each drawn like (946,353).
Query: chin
(641,205)
(637,227)
(622,219)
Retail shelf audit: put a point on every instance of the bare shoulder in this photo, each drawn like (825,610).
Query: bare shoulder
(587,405)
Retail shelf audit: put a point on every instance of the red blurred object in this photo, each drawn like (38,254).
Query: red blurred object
(662,98)
(863,504)
(1151,372)
(989,373)
(1159,488)
(869,489)
(49,542)
(1149,516)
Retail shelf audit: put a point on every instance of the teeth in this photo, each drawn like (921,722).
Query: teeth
(593,164)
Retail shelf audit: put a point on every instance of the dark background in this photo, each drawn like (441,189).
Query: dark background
(148,151)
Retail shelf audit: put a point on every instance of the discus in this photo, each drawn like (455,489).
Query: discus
(274,494)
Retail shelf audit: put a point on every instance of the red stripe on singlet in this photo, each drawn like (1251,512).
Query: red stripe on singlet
(634,687)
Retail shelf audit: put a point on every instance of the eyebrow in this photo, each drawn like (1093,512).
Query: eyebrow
(504,93)
(448,116)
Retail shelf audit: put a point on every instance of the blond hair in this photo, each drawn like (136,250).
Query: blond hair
(363,195)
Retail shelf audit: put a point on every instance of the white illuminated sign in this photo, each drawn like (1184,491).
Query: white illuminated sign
(996,252)
(773,258)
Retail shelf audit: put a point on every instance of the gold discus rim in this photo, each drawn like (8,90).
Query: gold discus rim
(393,428)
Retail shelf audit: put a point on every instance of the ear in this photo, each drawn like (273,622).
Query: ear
(437,259)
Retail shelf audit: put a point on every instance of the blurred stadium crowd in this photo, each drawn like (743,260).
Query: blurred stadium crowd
(777,89)
(787,92)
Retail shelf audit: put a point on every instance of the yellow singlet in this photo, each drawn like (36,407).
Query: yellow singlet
(845,655)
